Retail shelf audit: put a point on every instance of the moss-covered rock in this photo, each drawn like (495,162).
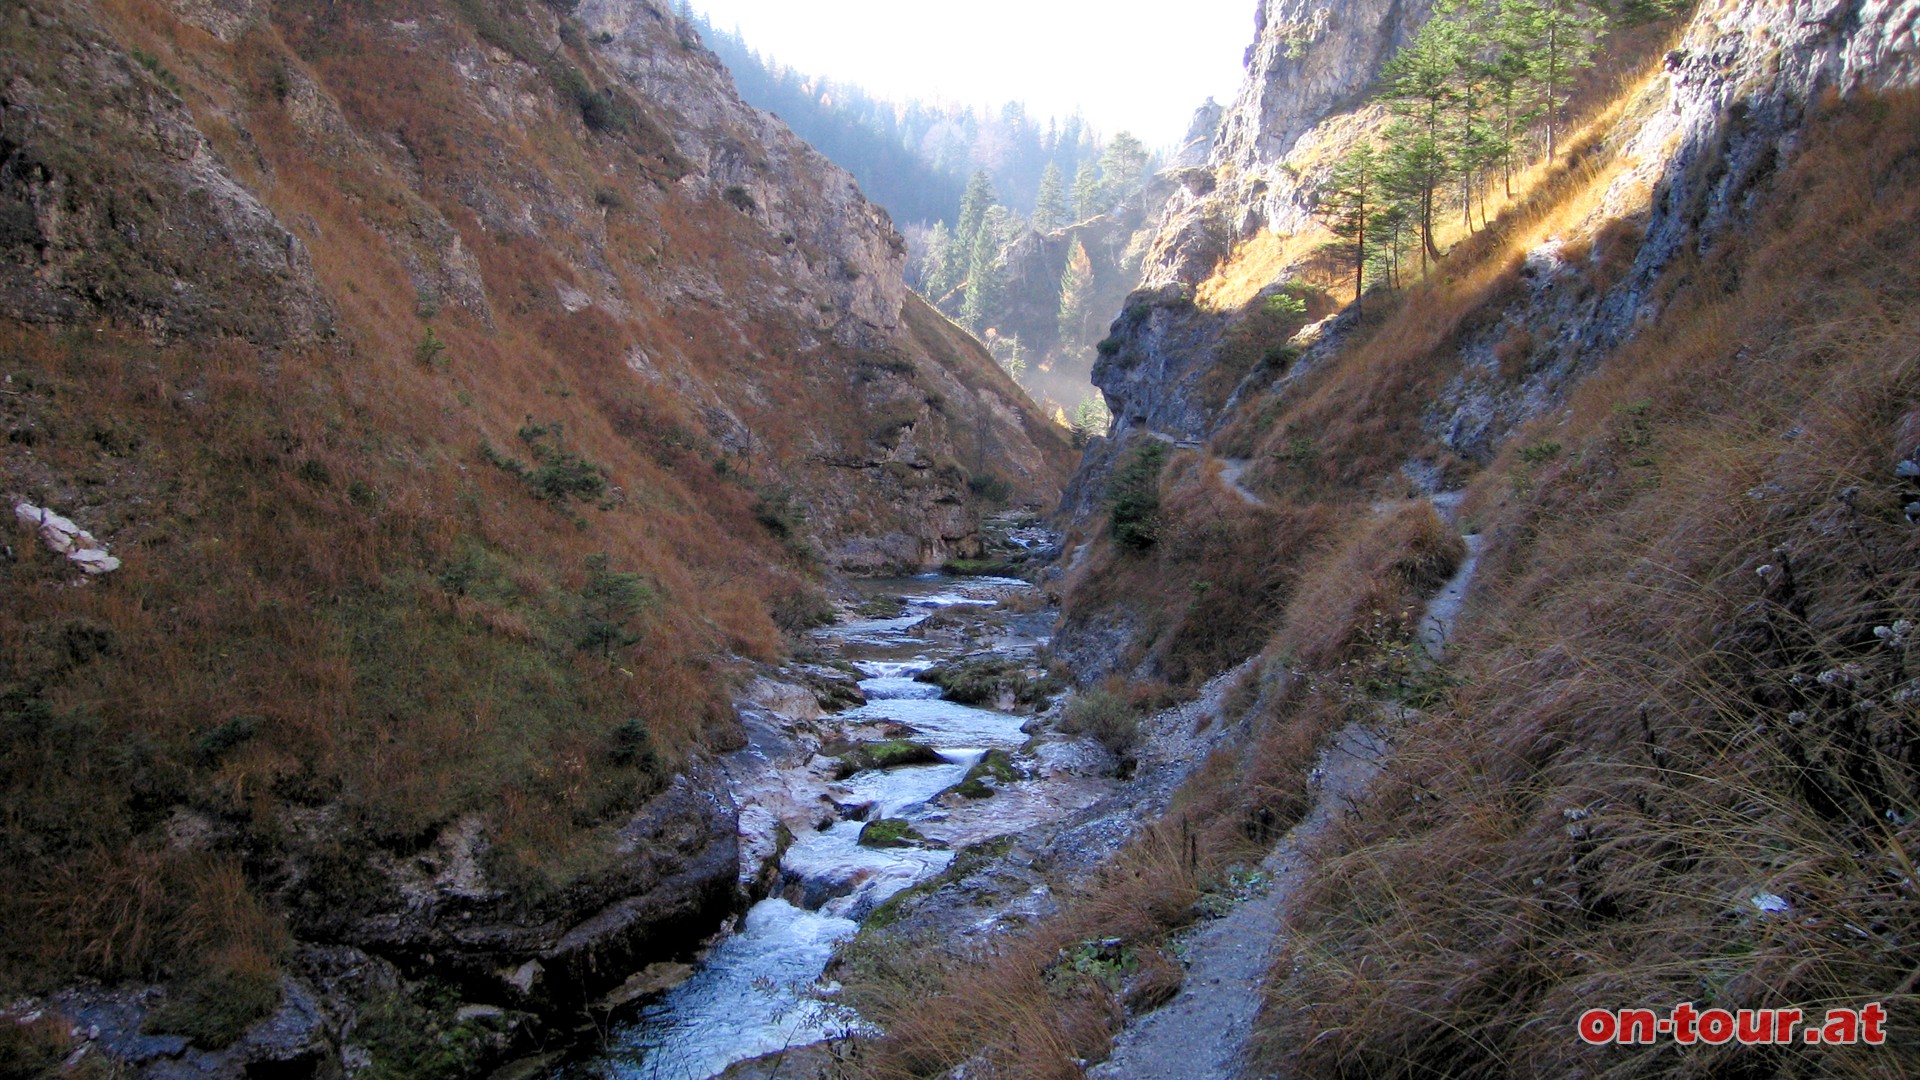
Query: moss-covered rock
(891,754)
(889,833)
(985,680)
(997,766)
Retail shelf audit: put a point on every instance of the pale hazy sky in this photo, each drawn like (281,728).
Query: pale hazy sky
(1124,65)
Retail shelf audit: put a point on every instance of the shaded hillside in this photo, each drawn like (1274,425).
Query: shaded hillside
(470,392)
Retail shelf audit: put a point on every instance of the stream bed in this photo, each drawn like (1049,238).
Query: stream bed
(756,991)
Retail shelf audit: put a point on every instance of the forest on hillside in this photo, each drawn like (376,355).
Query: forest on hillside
(912,157)
(1477,93)
(964,183)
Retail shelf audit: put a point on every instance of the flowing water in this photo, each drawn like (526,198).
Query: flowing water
(753,993)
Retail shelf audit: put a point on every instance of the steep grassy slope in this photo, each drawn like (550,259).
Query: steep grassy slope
(470,390)
(1687,688)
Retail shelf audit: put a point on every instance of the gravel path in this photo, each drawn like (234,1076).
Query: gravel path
(1230,470)
(1201,1034)
(1443,611)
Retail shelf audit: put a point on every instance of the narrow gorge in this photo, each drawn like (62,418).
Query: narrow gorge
(521,569)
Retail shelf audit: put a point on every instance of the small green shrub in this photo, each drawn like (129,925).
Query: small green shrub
(804,608)
(1301,453)
(990,488)
(777,514)
(604,110)
(315,472)
(1108,717)
(431,350)
(608,604)
(417,1034)
(216,1008)
(1280,355)
(1541,452)
(1134,498)
(158,70)
(218,742)
(1284,306)
(1107,962)
(557,475)
(631,746)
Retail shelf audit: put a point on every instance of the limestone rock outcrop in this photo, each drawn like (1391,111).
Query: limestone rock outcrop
(1310,60)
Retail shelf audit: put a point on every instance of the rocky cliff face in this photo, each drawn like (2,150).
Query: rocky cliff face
(1310,60)
(1704,139)
(839,250)
(1036,263)
(135,218)
(1246,169)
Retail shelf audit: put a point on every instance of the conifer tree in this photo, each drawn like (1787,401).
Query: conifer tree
(1086,192)
(1091,418)
(985,274)
(1392,225)
(1050,206)
(1509,76)
(974,205)
(1349,205)
(1565,36)
(934,260)
(1420,88)
(1122,167)
(1473,136)
(1076,292)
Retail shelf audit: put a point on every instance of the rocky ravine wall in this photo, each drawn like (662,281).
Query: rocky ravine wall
(1703,139)
(1708,136)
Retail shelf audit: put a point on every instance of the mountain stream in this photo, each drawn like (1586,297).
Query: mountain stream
(757,991)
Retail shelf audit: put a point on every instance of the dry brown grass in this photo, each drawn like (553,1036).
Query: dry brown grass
(1211,590)
(1258,263)
(1648,732)
(1367,594)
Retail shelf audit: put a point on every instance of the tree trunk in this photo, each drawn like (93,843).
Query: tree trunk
(1553,88)
(1506,153)
(1360,257)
